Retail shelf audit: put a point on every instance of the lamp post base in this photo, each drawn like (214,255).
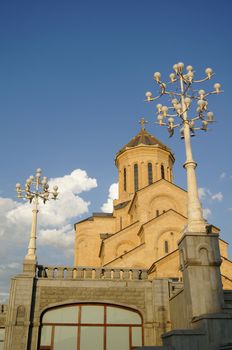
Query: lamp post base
(200,262)
(29,265)
(196,227)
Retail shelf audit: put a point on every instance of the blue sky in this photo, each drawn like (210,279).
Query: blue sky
(73,75)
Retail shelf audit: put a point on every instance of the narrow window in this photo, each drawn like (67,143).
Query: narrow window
(166,247)
(124,179)
(162,172)
(150,175)
(136,180)
(157,212)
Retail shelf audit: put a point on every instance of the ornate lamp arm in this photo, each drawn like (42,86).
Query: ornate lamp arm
(35,189)
(181,107)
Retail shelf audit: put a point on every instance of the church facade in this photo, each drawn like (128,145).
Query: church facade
(148,217)
(137,279)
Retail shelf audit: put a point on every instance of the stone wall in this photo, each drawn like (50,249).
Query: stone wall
(129,288)
(180,320)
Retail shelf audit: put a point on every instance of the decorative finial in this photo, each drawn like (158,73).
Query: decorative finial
(142,122)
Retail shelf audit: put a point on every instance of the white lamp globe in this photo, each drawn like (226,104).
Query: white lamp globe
(157,76)
(210,116)
(217,87)
(180,66)
(175,67)
(148,94)
(189,68)
(209,72)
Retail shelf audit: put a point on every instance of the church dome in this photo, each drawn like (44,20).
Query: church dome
(143,138)
(142,161)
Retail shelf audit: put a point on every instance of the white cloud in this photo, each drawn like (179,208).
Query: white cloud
(13,265)
(55,229)
(113,194)
(76,182)
(58,238)
(6,205)
(206,213)
(223,175)
(203,192)
(4,297)
(217,196)
(206,194)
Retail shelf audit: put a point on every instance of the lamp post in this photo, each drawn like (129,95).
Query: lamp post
(35,188)
(182,97)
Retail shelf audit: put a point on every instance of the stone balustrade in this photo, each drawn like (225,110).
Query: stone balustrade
(3,308)
(90,273)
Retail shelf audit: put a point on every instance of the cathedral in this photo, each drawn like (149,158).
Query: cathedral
(139,280)
(148,217)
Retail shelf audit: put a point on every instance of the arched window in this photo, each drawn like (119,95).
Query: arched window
(91,326)
(162,172)
(150,175)
(124,179)
(136,177)
(166,248)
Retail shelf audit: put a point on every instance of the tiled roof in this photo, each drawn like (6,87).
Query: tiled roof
(143,138)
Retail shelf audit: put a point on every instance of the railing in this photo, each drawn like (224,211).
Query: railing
(3,308)
(90,273)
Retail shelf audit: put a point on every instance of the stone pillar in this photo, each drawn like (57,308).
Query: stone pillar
(171,175)
(161,312)
(142,175)
(156,172)
(168,174)
(130,180)
(200,263)
(120,182)
(18,321)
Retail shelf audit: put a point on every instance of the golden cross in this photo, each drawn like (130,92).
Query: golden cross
(142,122)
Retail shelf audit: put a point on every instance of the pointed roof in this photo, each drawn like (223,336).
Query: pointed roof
(143,138)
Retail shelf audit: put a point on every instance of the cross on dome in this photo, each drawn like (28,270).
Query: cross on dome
(142,122)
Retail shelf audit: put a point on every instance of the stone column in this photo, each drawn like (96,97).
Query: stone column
(18,321)
(156,173)
(142,175)
(200,263)
(130,180)
(171,175)
(120,183)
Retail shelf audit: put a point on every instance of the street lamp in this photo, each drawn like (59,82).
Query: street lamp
(183,97)
(35,188)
